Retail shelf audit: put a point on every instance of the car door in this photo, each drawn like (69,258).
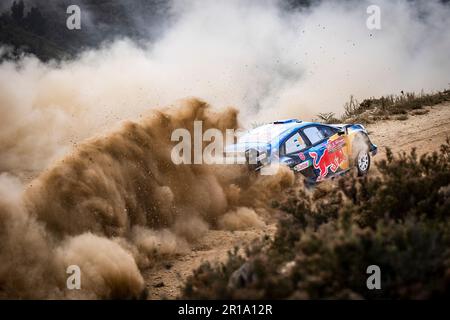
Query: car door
(327,150)
(317,148)
(293,152)
(338,141)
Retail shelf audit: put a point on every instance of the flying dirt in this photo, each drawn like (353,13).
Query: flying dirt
(117,204)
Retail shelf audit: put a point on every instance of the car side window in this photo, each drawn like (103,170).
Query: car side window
(294,143)
(327,131)
(314,135)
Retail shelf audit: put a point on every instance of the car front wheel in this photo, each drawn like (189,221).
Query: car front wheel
(363,162)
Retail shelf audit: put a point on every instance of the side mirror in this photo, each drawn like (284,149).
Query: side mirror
(341,132)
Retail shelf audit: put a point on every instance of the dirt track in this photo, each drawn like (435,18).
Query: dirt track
(165,279)
(425,132)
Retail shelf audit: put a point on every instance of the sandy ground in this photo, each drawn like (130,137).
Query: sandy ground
(164,281)
(425,132)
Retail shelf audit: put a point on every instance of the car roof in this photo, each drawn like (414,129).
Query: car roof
(293,124)
(292,127)
(283,128)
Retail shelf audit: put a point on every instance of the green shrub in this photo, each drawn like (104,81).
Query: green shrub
(397,219)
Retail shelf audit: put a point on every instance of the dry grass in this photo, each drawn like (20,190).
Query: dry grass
(386,107)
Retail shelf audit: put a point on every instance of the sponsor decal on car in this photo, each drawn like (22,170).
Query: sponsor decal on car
(334,145)
(301,155)
(302,166)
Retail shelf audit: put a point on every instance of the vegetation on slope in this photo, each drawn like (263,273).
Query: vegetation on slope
(397,220)
(394,107)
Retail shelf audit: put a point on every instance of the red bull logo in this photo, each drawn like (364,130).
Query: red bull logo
(329,161)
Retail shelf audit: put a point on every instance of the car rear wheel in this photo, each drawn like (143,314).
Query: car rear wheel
(363,162)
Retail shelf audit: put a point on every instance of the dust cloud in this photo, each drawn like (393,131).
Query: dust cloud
(254,55)
(117,203)
(241,219)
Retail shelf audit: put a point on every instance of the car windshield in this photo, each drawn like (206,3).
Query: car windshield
(263,134)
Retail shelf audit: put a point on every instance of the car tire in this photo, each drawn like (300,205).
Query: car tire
(363,162)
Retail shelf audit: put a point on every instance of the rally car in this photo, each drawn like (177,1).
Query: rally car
(318,151)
